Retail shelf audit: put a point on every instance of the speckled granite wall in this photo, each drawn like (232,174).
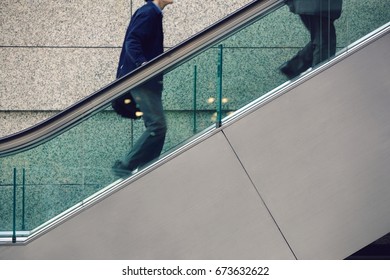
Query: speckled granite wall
(54,54)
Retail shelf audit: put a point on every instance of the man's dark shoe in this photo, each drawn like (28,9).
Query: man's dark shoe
(120,170)
(285,70)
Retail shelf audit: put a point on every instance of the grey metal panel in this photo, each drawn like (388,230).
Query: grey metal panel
(200,205)
(320,155)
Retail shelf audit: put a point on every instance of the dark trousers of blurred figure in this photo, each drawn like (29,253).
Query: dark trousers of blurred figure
(321,47)
(318,16)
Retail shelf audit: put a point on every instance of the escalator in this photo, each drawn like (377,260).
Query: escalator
(267,169)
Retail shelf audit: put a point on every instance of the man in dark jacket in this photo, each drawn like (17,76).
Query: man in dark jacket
(318,16)
(143,42)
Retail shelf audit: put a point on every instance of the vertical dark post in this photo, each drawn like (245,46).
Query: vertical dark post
(132,133)
(14,211)
(24,200)
(195,91)
(219,102)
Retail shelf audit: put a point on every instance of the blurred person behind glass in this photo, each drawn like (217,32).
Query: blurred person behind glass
(318,16)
